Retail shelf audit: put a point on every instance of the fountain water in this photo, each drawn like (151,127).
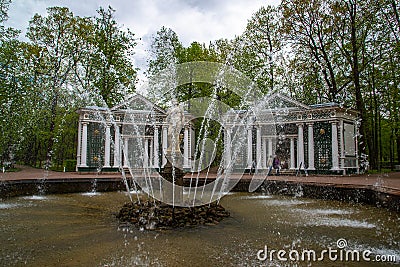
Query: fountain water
(167,185)
(208,108)
(93,191)
(81,231)
(41,184)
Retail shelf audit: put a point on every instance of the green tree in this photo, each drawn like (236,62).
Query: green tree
(165,51)
(113,72)
(390,24)
(257,50)
(56,36)
(308,27)
(79,61)
(12,107)
(346,51)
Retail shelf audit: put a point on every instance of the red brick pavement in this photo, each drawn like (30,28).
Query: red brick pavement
(33,173)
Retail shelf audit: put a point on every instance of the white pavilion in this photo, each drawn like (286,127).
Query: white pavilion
(319,138)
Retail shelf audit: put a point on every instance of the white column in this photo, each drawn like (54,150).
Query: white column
(117,148)
(107,144)
(156,148)
(341,134)
(84,144)
(249,148)
(356,147)
(270,152)
(191,142)
(258,145)
(311,147)
(151,152)
(164,144)
(146,153)
(126,156)
(78,151)
(265,156)
(335,147)
(292,158)
(186,148)
(228,148)
(300,146)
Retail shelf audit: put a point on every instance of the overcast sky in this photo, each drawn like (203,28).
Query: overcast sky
(192,20)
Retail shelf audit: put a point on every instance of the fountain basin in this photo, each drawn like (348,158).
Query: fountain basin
(79,230)
(367,194)
(13,188)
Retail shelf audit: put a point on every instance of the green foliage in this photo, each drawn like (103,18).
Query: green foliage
(342,51)
(113,71)
(70,165)
(257,51)
(167,52)
(6,33)
(69,62)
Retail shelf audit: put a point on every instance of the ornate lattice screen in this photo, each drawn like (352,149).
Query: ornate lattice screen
(323,145)
(95,145)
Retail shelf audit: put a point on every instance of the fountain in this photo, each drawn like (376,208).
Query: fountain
(232,123)
(154,214)
(199,200)
(74,230)
(93,190)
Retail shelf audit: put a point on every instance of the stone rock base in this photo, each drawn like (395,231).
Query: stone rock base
(155,216)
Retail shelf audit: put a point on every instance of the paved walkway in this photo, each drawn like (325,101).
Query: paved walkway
(388,182)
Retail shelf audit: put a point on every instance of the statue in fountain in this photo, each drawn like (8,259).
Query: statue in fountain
(175,120)
(172,170)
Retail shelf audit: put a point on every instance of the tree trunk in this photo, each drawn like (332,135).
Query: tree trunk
(52,128)
(391,152)
(364,142)
(380,158)
(398,145)
(376,125)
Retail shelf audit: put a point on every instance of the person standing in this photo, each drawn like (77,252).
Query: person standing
(270,164)
(277,164)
